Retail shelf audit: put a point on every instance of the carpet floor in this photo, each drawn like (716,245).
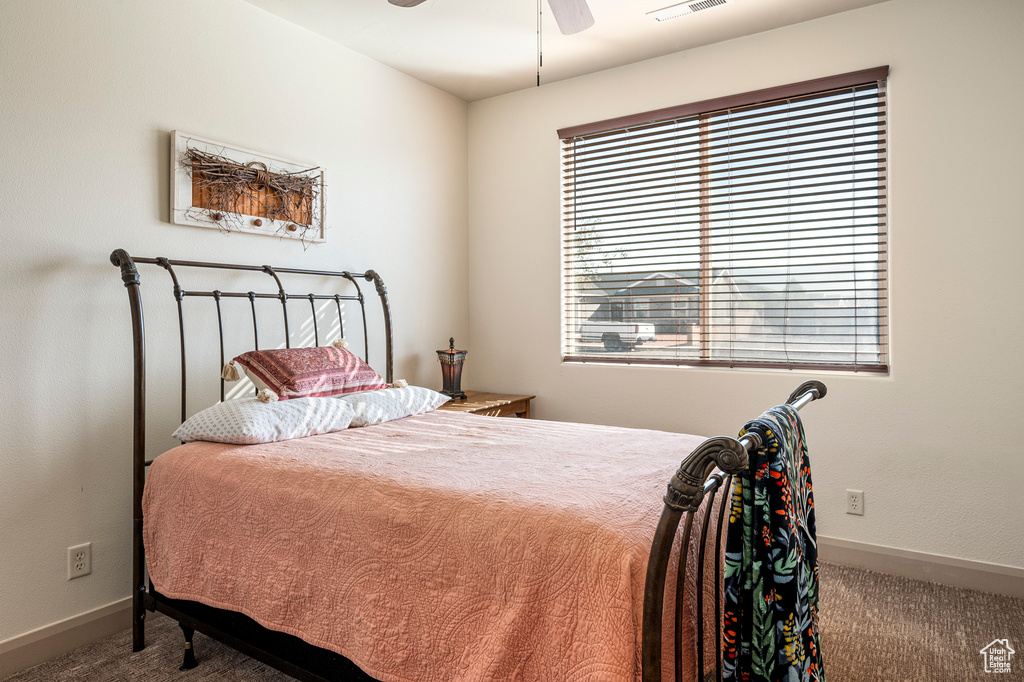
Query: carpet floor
(874,627)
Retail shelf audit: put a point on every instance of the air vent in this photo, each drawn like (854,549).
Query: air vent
(685,8)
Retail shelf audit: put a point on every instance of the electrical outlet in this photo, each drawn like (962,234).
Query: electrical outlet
(79,560)
(855,502)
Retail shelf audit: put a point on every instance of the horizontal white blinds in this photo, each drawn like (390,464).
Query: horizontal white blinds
(747,235)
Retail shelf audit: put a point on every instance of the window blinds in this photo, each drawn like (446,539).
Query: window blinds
(747,231)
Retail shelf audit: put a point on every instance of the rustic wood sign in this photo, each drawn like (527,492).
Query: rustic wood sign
(232,189)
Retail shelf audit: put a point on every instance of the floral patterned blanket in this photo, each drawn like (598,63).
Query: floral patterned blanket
(771,561)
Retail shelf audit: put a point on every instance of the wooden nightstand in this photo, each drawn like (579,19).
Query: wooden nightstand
(491,404)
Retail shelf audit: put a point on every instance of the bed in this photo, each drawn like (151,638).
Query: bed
(439,546)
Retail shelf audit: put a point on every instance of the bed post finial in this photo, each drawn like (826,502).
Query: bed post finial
(382,293)
(686,489)
(121,259)
(819,388)
(378,283)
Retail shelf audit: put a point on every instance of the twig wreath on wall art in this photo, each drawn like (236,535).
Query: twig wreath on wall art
(232,189)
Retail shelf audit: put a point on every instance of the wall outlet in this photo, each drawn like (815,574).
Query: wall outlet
(79,560)
(855,502)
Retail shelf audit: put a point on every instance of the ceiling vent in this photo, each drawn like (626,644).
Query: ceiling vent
(685,9)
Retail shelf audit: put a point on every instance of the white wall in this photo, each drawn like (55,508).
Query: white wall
(89,92)
(935,445)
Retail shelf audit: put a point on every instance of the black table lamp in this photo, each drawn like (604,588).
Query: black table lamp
(451,369)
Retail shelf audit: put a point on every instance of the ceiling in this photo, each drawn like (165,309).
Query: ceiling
(476,49)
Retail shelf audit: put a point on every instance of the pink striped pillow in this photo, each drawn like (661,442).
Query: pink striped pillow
(309,372)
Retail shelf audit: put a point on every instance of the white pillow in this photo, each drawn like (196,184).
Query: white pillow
(383,405)
(247,421)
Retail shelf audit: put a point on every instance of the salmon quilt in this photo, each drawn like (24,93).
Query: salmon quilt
(442,546)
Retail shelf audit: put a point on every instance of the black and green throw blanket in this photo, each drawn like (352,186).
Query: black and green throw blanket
(771,561)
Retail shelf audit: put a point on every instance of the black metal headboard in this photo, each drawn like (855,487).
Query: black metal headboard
(130,276)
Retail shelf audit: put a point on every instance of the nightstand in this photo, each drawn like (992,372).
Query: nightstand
(491,404)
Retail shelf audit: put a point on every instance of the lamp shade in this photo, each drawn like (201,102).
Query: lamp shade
(451,369)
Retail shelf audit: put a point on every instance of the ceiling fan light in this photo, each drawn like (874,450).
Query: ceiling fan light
(685,9)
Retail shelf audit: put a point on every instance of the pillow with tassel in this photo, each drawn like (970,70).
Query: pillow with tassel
(396,402)
(290,373)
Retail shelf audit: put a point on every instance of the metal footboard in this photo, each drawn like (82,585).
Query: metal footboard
(695,481)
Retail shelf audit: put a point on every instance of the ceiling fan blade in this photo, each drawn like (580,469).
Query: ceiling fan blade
(572,16)
(406,3)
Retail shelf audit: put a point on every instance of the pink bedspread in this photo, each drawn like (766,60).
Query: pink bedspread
(440,547)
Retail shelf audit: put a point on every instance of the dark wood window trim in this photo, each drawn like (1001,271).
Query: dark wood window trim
(879,73)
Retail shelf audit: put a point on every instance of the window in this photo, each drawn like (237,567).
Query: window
(748,231)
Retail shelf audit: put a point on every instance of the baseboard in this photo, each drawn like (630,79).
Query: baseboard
(936,568)
(50,641)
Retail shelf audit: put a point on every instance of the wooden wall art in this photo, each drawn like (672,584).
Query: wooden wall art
(232,189)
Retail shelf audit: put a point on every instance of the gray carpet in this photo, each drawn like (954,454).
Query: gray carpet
(873,627)
(882,627)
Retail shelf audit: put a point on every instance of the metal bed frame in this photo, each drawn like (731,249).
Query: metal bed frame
(696,480)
